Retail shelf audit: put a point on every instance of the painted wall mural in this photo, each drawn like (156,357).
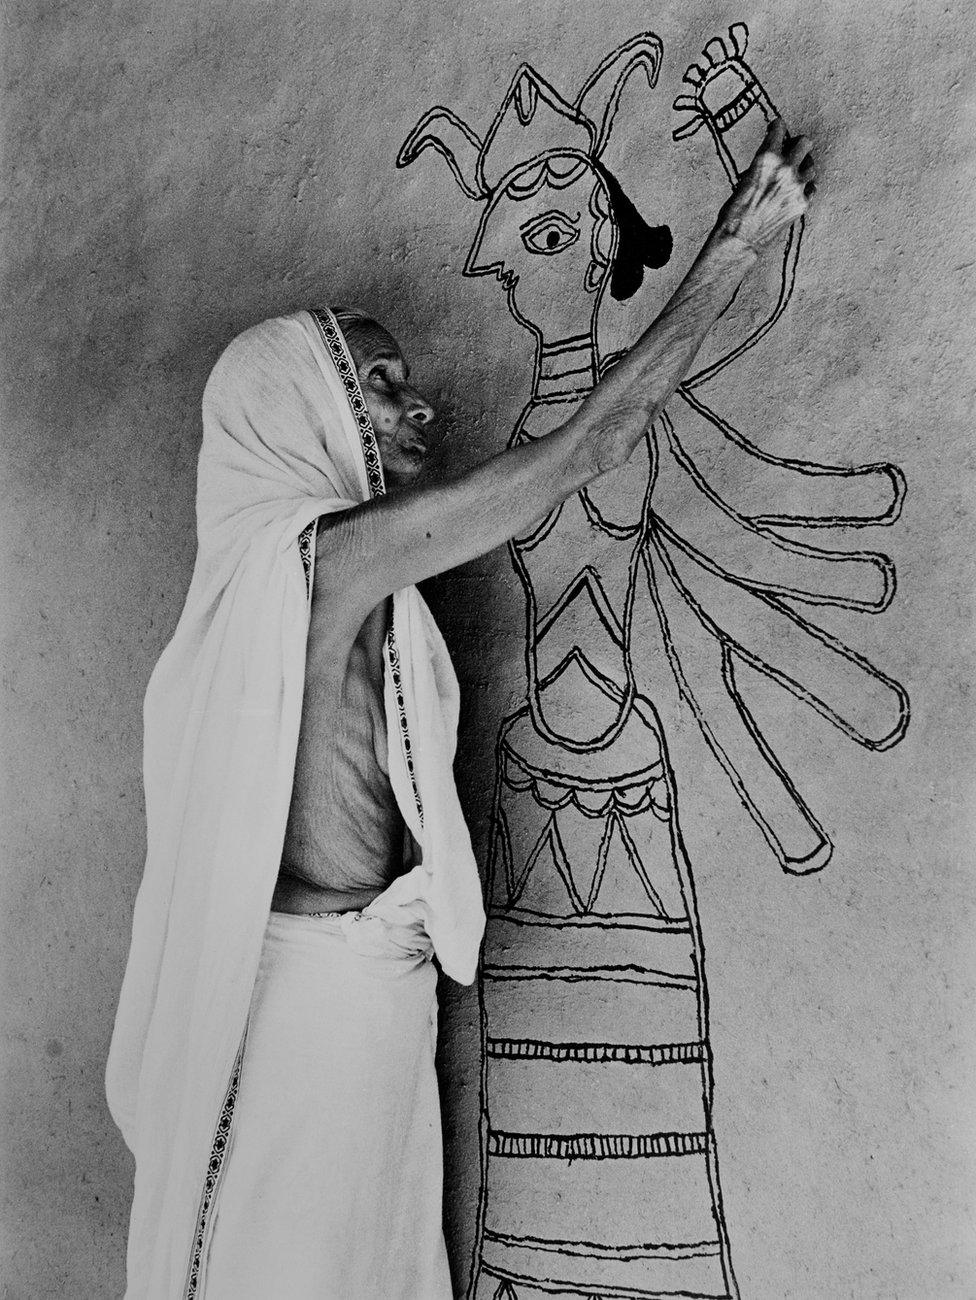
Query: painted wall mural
(695,561)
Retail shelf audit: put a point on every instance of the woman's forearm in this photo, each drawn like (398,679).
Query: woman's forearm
(615,415)
(404,538)
(393,541)
(772,194)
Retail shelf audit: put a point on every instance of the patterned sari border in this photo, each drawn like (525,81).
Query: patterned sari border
(336,344)
(306,543)
(215,1168)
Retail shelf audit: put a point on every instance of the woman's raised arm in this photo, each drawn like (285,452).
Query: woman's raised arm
(403,538)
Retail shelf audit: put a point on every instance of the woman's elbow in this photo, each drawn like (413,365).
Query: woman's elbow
(615,439)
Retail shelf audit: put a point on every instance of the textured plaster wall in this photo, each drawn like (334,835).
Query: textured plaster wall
(173,173)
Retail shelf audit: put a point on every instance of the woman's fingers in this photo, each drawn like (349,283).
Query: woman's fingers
(795,151)
(775,135)
(772,143)
(782,171)
(798,151)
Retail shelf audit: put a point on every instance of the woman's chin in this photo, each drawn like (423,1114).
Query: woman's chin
(405,472)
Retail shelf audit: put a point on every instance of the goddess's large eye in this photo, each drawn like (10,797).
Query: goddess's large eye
(550,233)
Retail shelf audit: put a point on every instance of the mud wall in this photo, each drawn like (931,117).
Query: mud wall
(681,731)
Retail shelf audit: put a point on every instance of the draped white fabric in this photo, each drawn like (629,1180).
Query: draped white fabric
(286,438)
(341,1196)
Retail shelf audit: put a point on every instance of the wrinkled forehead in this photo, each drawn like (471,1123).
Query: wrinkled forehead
(368,341)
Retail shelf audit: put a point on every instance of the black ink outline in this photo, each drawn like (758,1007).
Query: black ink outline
(596,776)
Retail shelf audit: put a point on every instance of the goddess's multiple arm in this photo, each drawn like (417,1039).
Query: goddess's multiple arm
(398,540)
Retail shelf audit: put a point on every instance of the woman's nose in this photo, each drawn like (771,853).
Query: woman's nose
(419,411)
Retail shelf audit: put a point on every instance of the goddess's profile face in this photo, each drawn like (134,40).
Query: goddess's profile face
(548,238)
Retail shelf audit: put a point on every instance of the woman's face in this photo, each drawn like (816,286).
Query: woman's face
(401,418)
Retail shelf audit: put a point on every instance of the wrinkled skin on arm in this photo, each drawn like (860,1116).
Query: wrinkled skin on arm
(417,531)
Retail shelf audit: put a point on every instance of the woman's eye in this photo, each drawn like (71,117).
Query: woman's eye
(378,376)
(550,233)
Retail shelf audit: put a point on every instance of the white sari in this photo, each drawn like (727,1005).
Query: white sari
(287,438)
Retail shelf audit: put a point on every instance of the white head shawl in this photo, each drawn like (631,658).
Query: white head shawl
(286,438)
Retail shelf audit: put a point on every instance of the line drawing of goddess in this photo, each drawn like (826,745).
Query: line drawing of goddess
(599,1165)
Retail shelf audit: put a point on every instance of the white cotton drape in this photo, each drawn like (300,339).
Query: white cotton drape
(342,1197)
(286,439)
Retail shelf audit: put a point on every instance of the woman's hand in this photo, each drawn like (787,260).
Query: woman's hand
(773,193)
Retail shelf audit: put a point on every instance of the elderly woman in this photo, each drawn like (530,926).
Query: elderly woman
(272,1067)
